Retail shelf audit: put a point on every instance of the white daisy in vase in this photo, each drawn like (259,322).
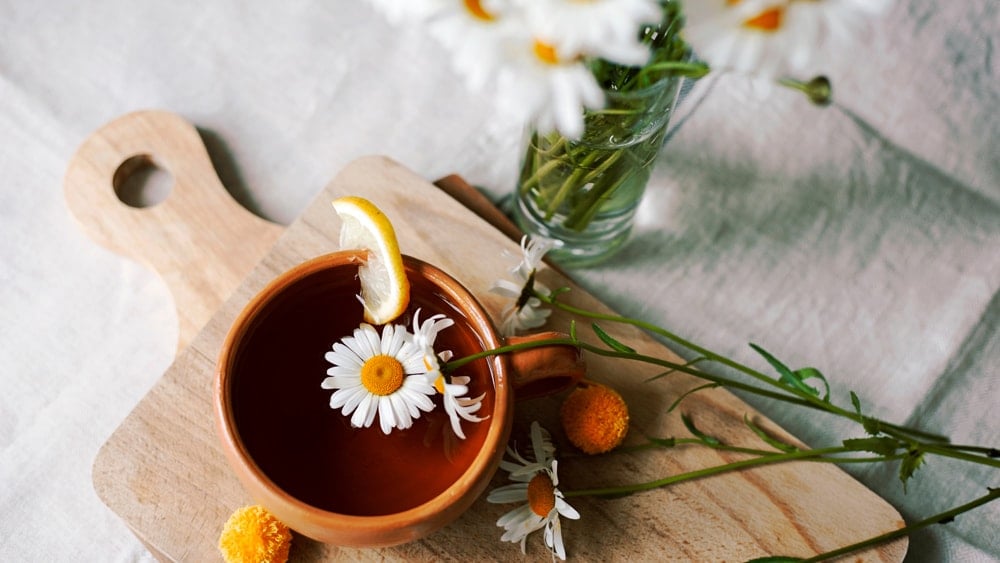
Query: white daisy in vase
(536,484)
(474,31)
(769,37)
(526,312)
(379,376)
(608,29)
(452,389)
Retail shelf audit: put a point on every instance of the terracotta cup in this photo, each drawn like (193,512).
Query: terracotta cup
(346,486)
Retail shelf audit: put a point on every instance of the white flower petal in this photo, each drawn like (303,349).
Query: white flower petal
(516,492)
(566,510)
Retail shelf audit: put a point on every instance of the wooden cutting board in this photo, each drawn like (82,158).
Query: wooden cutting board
(163,473)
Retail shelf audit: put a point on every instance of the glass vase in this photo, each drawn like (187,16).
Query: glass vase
(583,194)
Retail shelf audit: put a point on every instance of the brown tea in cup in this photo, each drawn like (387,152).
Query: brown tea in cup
(312,451)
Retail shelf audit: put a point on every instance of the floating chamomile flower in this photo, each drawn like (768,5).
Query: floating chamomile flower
(384,376)
(526,312)
(536,482)
(453,391)
(456,404)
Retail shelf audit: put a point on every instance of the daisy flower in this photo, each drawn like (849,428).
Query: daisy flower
(453,393)
(384,376)
(549,88)
(608,29)
(456,404)
(536,482)
(770,37)
(474,31)
(526,311)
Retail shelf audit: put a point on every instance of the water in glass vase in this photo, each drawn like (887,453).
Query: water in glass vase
(584,197)
(583,194)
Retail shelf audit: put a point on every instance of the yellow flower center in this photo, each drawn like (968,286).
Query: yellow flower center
(546,53)
(541,494)
(476,9)
(382,375)
(595,418)
(439,384)
(768,20)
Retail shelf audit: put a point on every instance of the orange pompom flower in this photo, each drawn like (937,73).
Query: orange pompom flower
(252,534)
(594,418)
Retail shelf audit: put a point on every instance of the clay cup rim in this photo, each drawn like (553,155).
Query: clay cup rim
(347,529)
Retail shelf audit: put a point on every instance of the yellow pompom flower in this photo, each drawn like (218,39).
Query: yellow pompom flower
(254,535)
(594,418)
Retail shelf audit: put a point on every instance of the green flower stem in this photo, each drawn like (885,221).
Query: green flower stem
(941,518)
(801,455)
(694,441)
(946,450)
(816,402)
(452,365)
(757,452)
(591,204)
(686,68)
(540,172)
(569,185)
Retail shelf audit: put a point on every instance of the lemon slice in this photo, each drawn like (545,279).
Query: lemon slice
(385,290)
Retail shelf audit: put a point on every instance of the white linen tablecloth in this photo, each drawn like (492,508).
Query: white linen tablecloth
(863,239)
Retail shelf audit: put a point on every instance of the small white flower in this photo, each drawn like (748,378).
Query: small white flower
(608,29)
(475,33)
(425,333)
(526,312)
(384,376)
(536,482)
(545,87)
(456,404)
(453,393)
(770,37)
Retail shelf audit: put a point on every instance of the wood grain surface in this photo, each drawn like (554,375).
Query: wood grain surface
(163,472)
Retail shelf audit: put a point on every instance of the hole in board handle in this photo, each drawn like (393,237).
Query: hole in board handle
(139,182)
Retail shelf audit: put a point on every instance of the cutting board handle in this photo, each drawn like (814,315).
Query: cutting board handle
(199,239)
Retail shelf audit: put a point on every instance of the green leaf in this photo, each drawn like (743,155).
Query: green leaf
(781,368)
(610,341)
(872,426)
(910,464)
(710,440)
(880,446)
(774,443)
(685,395)
(857,403)
(795,379)
(813,373)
